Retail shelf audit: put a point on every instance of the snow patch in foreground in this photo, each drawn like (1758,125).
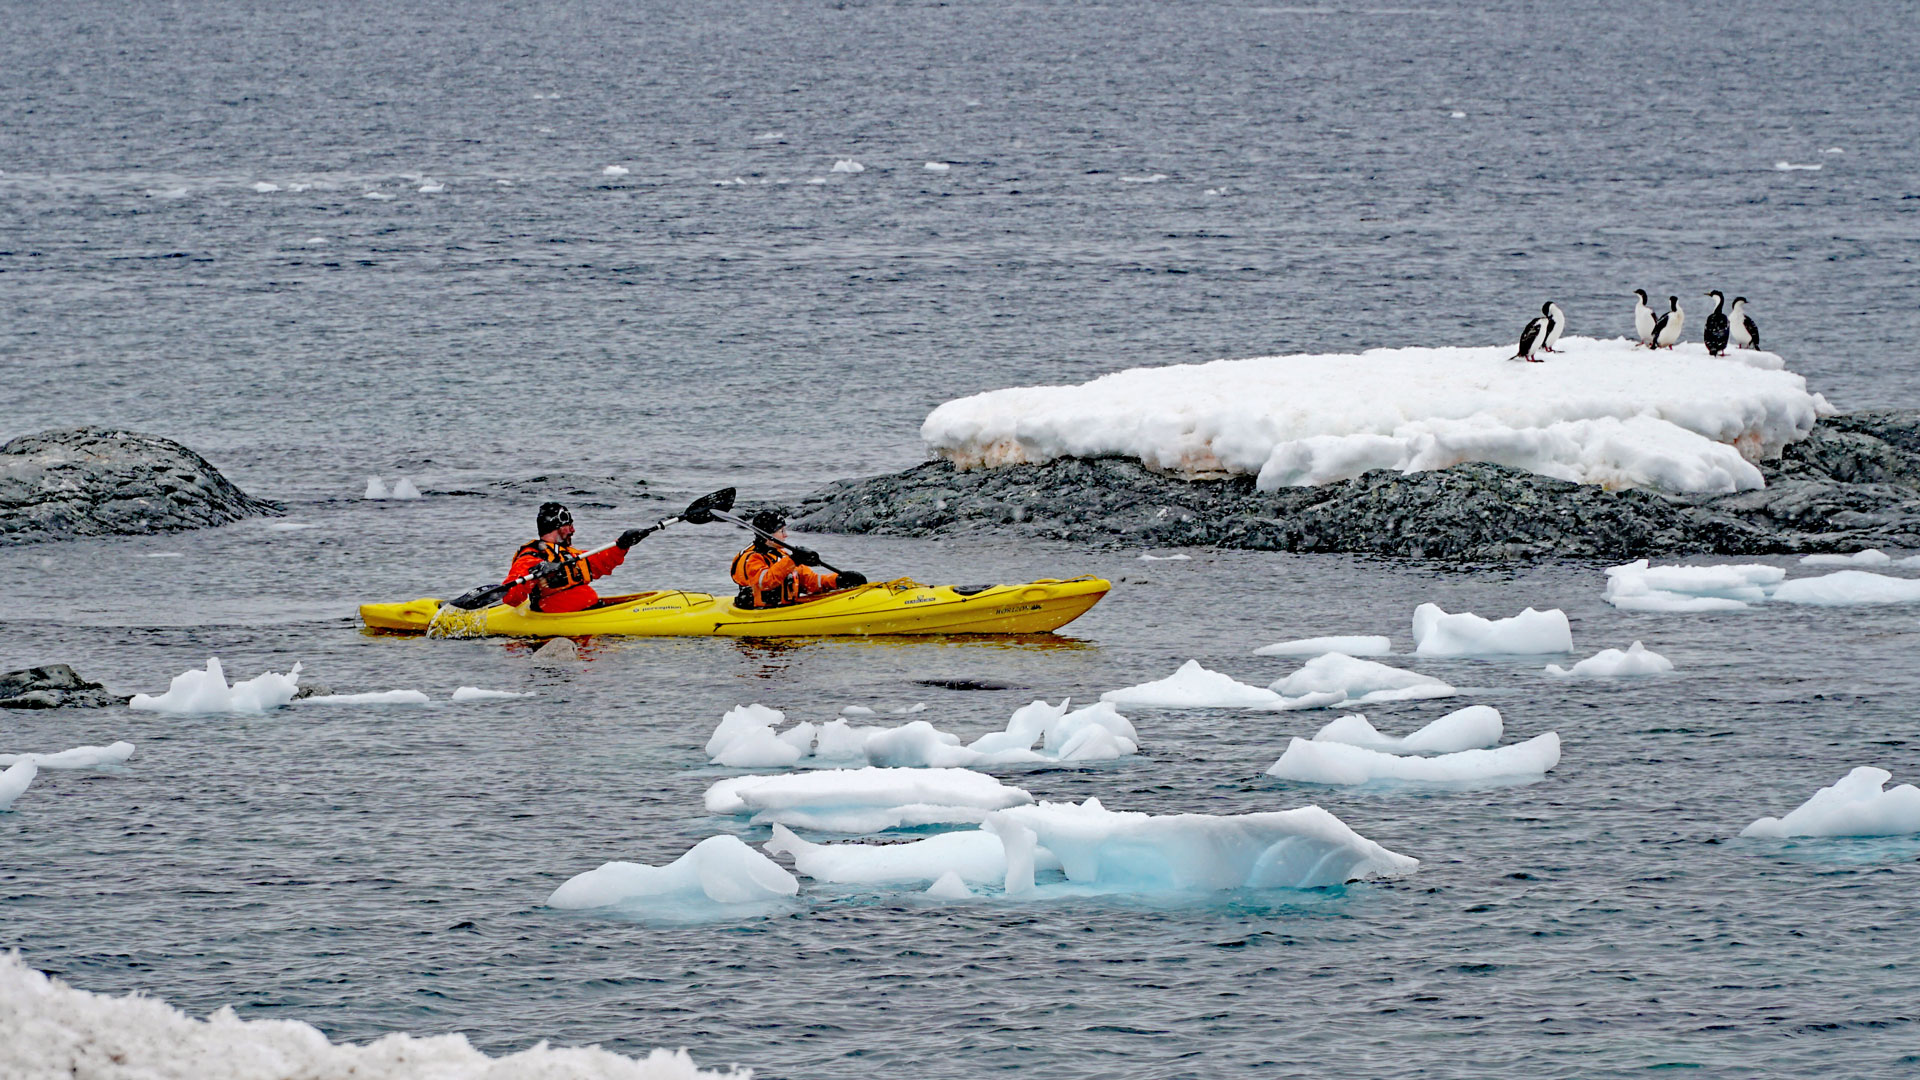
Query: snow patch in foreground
(207,692)
(1359,645)
(1470,728)
(1436,633)
(864,800)
(746,739)
(1337,763)
(1340,681)
(1855,806)
(1640,587)
(80,757)
(720,870)
(48,1028)
(1612,664)
(1194,687)
(1599,412)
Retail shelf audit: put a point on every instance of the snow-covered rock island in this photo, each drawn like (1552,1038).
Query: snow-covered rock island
(1605,449)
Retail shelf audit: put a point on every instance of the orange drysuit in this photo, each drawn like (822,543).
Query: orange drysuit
(564,590)
(772,578)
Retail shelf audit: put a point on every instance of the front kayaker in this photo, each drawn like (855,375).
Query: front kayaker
(772,572)
(566,588)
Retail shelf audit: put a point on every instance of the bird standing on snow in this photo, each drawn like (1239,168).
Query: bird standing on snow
(1533,336)
(1556,322)
(1716,331)
(1745,334)
(1666,328)
(1643,319)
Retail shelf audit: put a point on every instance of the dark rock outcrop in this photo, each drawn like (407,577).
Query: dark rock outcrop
(95,482)
(55,686)
(1854,483)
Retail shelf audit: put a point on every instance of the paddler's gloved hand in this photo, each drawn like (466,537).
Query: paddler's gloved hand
(547,570)
(805,556)
(632,537)
(849,578)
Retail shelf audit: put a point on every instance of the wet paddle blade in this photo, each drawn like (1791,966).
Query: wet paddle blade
(701,510)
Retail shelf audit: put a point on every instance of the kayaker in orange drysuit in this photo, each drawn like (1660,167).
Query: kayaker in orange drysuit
(566,588)
(771,574)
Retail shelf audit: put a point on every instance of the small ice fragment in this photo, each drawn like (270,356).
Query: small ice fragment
(375,489)
(14,781)
(817,180)
(1846,588)
(1154,179)
(1436,633)
(1833,150)
(381,697)
(1346,765)
(909,710)
(163,555)
(80,757)
(937,166)
(432,187)
(856,710)
(1788,166)
(769,136)
(1640,587)
(263,186)
(403,489)
(720,870)
(1359,645)
(949,887)
(207,692)
(504,183)
(1193,687)
(1869,557)
(1149,557)
(614,170)
(1471,728)
(1337,679)
(474,693)
(864,800)
(1458,115)
(1612,663)
(1853,806)
(380,195)
(312,240)
(847,165)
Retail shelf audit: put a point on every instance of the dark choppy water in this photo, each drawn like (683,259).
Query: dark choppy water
(657,326)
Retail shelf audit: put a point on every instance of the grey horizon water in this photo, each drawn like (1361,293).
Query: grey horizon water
(374,870)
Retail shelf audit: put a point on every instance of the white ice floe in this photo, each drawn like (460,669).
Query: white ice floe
(1598,412)
(937,166)
(432,187)
(1357,645)
(380,697)
(474,693)
(379,195)
(1304,848)
(1193,687)
(1869,557)
(50,1029)
(949,887)
(746,738)
(1342,681)
(207,692)
(1149,557)
(864,800)
(1640,587)
(403,489)
(1788,166)
(722,869)
(857,710)
(1471,728)
(973,855)
(1152,179)
(1855,806)
(80,757)
(1436,633)
(614,170)
(15,780)
(1847,588)
(1338,763)
(263,186)
(1612,663)
(848,165)
(376,488)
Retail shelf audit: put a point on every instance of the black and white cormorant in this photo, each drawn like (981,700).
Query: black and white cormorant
(1666,328)
(1643,318)
(1745,334)
(1715,334)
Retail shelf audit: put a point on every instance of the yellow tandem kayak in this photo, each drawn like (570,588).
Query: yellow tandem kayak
(886,607)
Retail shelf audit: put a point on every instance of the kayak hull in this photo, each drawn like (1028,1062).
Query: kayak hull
(891,607)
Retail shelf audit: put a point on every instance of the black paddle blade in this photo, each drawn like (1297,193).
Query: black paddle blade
(700,512)
(475,599)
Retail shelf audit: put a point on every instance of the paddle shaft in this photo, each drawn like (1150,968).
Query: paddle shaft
(767,536)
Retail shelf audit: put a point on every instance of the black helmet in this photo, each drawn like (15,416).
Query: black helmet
(770,520)
(552,516)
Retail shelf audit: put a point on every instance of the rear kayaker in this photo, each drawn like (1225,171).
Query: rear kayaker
(901,606)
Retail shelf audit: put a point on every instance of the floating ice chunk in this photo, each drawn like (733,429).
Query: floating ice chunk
(1154,179)
(1788,166)
(1338,763)
(769,136)
(1833,150)
(375,488)
(1193,687)
(403,489)
(1458,115)
(1146,557)
(816,180)
(1436,633)
(432,187)
(909,710)
(1470,728)
(848,165)
(614,170)
(80,757)
(1304,848)
(380,195)
(864,800)
(263,186)
(856,710)
(16,778)
(474,693)
(1869,557)
(207,692)
(741,720)
(1340,680)
(937,166)
(723,869)
(380,697)
(1362,645)
(1845,588)
(1855,806)
(314,240)
(1911,560)
(746,739)
(949,887)
(1640,587)
(1612,663)
(973,855)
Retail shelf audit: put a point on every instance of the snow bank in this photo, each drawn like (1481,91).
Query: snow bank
(380,697)
(1463,729)
(720,869)
(16,778)
(1304,848)
(1337,763)
(1612,663)
(1193,687)
(1846,588)
(1599,412)
(1869,557)
(1366,645)
(1436,633)
(49,1029)
(80,757)
(864,800)
(1855,806)
(1640,587)
(207,692)
(1342,681)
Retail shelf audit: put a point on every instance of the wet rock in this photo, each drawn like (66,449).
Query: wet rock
(58,485)
(1853,484)
(54,686)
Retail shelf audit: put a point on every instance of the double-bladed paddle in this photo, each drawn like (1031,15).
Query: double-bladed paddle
(699,512)
(767,536)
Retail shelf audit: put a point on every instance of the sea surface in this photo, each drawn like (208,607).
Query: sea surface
(1128,183)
